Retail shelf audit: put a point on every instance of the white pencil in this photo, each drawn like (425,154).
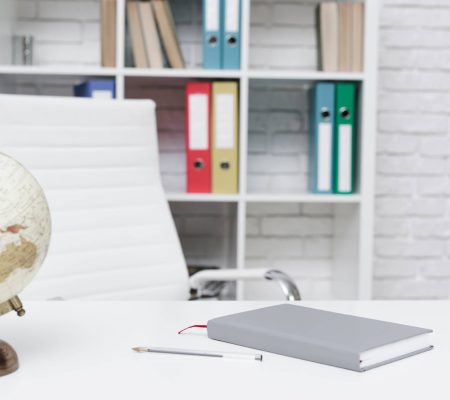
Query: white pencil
(188,352)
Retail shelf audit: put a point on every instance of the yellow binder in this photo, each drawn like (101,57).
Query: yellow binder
(225,138)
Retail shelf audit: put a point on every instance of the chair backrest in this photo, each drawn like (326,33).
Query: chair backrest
(97,161)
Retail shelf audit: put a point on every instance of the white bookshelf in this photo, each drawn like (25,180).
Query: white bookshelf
(348,244)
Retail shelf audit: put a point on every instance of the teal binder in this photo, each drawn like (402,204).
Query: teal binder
(321,137)
(231,34)
(344,139)
(212,38)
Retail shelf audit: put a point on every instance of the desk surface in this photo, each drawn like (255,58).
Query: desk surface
(82,350)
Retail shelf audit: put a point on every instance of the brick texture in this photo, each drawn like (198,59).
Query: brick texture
(412,210)
(295,238)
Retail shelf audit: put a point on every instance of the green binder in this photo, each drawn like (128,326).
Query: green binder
(344,139)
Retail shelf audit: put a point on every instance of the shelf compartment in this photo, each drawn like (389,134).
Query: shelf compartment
(169,95)
(187,16)
(42,84)
(283,35)
(316,244)
(208,235)
(278,158)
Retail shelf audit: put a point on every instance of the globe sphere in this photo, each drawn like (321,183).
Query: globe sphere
(25,227)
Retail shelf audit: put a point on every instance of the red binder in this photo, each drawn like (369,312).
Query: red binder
(198,137)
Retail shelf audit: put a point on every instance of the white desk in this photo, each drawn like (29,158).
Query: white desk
(82,351)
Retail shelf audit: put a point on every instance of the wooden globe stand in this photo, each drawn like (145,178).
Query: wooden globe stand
(9,362)
(8,359)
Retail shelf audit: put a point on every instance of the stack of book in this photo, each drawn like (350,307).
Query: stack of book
(151,28)
(341,32)
(333,138)
(212,139)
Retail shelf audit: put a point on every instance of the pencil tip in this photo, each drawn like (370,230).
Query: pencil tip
(139,349)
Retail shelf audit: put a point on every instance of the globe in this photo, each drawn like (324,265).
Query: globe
(25,229)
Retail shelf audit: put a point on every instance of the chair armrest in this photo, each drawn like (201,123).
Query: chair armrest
(286,283)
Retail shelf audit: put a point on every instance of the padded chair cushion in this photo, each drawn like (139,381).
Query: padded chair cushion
(97,161)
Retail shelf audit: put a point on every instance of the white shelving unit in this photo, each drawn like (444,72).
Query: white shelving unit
(350,256)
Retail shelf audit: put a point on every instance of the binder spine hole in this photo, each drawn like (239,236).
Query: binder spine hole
(345,113)
(212,41)
(225,165)
(232,40)
(199,164)
(325,113)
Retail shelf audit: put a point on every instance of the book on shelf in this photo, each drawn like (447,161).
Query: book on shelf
(168,33)
(212,139)
(108,11)
(96,88)
(151,30)
(341,34)
(357,44)
(137,39)
(152,45)
(328,35)
(344,37)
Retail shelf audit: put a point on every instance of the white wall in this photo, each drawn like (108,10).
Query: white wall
(66,32)
(412,246)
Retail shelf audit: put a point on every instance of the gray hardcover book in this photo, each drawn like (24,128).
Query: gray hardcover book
(325,337)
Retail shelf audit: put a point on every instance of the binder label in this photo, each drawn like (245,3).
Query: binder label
(324,146)
(224,110)
(232,16)
(198,122)
(345,158)
(212,15)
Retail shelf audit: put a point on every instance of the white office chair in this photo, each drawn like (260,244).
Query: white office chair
(113,234)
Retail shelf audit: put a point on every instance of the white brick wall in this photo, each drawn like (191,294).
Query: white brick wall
(169,96)
(278,137)
(207,232)
(277,26)
(412,234)
(296,238)
(65,31)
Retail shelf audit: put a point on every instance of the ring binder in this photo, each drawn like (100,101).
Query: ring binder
(231,34)
(198,137)
(225,137)
(212,43)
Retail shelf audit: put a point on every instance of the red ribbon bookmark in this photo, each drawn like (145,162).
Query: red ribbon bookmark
(192,326)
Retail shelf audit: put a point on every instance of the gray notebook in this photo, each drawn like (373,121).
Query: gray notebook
(325,337)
